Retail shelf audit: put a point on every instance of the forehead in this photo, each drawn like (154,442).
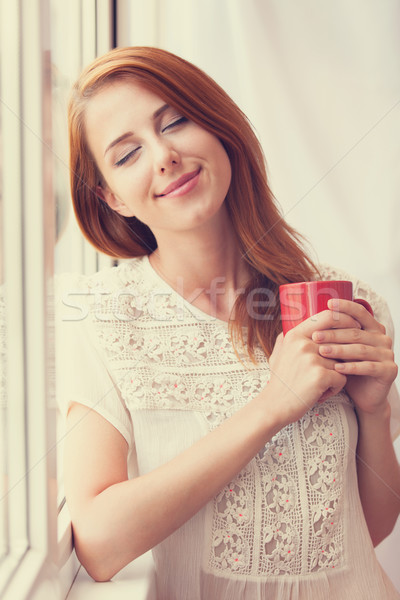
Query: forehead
(118,93)
(117,105)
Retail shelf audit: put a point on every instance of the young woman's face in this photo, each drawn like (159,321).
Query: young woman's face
(159,167)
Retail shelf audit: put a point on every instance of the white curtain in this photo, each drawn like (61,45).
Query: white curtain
(320,81)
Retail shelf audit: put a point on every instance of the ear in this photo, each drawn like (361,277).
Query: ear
(113,201)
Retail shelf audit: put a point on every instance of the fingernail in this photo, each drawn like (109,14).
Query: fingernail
(318,336)
(333,303)
(326,349)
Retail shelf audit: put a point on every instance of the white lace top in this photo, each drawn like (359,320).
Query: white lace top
(290,525)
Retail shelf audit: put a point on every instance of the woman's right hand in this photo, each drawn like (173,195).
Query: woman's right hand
(300,376)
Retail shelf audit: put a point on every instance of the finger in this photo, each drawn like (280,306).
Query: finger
(336,386)
(356,352)
(327,319)
(352,335)
(358,312)
(385,371)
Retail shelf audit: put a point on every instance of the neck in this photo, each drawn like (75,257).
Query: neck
(205,267)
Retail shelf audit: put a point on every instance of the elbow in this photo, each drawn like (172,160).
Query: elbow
(96,564)
(99,572)
(95,556)
(377,539)
(100,554)
(382,533)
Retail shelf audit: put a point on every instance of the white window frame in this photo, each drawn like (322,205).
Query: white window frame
(38,561)
(92,24)
(28,569)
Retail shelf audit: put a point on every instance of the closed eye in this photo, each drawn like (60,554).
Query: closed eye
(125,158)
(175,123)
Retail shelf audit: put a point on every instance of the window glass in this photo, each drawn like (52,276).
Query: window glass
(27,503)
(13,484)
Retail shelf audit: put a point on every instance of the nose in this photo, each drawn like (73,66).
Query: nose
(166,157)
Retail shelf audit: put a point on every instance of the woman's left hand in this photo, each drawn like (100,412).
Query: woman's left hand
(364,355)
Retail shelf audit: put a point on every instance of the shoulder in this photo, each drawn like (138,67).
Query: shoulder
(126,273)
(75,291)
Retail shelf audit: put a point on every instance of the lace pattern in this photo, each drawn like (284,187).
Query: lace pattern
(163,356)
(301,467)
(283,514)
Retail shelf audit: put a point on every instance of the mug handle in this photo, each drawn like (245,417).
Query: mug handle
(365,304)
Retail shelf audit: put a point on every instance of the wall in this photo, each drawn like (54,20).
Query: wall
(320,82)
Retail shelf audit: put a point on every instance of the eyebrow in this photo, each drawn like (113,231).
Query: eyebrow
(122,137)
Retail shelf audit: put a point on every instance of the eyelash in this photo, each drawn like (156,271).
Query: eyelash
(125,158)
(175,123)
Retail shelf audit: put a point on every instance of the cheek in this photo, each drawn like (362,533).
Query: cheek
(133,182)
(224,170)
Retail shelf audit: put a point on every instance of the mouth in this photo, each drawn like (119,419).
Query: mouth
(184,184)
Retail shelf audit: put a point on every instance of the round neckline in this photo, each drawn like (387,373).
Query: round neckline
(203,316)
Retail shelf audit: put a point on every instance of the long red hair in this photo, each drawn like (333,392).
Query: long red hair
(270,246)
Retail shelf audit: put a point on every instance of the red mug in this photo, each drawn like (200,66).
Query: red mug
(301,300)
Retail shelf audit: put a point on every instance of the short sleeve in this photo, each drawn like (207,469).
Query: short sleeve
(382,314)
(82,373)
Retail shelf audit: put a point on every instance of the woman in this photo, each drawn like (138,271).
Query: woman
(176,442)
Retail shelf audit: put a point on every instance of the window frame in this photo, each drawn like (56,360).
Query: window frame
(93,21)
(39,560)
(28,242)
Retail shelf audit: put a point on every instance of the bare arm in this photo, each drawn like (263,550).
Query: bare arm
(378,474)
(115,519)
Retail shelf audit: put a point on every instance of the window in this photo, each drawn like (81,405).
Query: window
(43,44)
(28,506)
(81,29)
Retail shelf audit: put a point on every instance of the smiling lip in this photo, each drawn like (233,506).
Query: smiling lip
(182,185)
